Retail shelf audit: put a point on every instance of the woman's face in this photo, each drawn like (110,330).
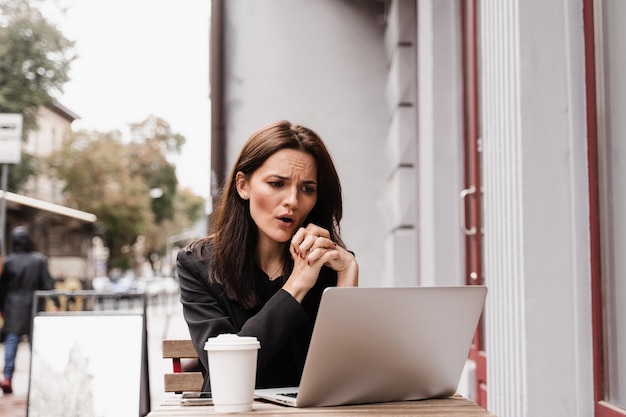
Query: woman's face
(282,192)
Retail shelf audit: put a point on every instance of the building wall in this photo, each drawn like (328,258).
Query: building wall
(52,130)
(440,143)
(538,313)
(535,187)
(401,156)
(321,64)
(536,231)
(424,174)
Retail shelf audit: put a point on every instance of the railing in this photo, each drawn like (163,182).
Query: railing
(89,301)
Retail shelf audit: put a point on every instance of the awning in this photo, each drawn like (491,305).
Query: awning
(49,207)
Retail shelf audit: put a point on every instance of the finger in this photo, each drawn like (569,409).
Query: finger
(321,255)
(323,243)
(341,261)
(317,230)
(304,240)
(297,238)
(307,245)
(312,242)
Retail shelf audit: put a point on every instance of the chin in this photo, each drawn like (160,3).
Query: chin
(282,238)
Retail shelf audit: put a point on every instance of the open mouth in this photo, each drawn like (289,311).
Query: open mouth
(286,219)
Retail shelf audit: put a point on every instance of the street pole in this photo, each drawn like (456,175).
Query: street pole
(10,153)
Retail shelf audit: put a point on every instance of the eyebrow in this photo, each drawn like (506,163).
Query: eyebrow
(287,178)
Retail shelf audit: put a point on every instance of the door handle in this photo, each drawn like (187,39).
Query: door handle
(462,196)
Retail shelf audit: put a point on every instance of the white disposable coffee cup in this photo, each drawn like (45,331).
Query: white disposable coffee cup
(232,371)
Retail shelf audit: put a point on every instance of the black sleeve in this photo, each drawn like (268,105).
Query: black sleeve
(274,325)
(208,312)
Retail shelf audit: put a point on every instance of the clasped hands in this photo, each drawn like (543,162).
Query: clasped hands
(311,248)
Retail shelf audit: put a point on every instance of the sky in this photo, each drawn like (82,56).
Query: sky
(138,58)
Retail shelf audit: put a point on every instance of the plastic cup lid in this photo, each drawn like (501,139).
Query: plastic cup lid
(231,341)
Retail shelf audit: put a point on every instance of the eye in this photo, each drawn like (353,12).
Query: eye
(308,189)
(275,184)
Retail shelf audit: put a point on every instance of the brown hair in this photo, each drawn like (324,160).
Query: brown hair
(232,260)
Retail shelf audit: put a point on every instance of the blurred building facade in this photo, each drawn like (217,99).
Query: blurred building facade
(477,144)
(54,124)
(61,233)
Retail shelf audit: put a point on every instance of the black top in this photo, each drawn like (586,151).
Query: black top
(282,325)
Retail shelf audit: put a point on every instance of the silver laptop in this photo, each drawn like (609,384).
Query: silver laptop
(386,344)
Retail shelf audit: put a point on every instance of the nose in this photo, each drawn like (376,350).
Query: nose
(291,198)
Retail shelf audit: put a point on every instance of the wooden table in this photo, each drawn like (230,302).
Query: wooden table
(452,406)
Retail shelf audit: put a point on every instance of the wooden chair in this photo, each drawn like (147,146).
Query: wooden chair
(186,375)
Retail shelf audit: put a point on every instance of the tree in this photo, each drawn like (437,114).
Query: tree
(188,209)
(95,168)
(151,142)
(113,179)
(35,59)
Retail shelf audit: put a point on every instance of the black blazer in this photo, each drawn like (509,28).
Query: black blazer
(282,325)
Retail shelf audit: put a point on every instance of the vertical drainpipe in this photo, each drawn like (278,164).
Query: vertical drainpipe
(216,82)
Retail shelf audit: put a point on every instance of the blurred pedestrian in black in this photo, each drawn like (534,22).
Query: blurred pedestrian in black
(25,271)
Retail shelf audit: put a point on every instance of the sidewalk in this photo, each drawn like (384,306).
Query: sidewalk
(165,321)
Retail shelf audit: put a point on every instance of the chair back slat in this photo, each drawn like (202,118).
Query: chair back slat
(181,380)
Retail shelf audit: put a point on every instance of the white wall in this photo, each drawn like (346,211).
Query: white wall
(332,79)
(440,143)
(401,244)
(536,209)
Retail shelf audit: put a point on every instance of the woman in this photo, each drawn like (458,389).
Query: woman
(276,247)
